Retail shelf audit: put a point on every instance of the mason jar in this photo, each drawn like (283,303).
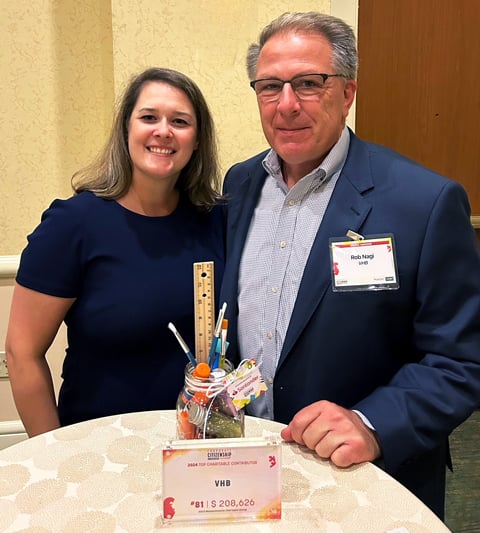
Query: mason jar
(205,410)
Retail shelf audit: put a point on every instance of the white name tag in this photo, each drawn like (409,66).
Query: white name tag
(366,264)
(222,479)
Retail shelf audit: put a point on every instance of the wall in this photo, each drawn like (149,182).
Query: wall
(62,64)
(55,109)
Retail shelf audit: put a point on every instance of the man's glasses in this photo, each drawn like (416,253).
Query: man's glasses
(304,85)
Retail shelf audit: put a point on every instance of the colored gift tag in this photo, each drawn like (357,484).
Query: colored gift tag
(245,384)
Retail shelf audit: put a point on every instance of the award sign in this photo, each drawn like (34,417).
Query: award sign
(222,480)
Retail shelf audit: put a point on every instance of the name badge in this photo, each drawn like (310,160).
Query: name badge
(364,264)
(222,480)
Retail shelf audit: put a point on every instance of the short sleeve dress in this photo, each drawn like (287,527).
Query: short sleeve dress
(131,275)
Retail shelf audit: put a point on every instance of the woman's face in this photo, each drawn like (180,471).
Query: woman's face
(162,132)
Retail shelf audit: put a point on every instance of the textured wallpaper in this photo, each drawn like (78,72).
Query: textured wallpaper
(63,62)
(57,91)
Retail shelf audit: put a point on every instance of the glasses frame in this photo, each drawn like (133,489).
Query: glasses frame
(283,82)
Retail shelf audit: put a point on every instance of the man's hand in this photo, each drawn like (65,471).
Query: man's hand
(334,433)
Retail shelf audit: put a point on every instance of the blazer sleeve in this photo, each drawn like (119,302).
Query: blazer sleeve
(427,399)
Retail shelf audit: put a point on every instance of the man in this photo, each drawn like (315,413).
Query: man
(353,275)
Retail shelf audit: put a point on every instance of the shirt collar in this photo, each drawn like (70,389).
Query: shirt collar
(332,163)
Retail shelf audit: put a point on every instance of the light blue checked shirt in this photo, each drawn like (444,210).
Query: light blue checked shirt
(281,234)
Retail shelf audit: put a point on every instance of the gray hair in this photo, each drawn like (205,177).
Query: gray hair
(337,32)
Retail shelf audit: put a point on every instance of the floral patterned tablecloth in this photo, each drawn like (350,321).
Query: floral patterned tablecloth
(104,476)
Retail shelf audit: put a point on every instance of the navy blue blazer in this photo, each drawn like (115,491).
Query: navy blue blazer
(409,359)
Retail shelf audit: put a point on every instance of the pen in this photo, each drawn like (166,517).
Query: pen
(183,344)
(216,335)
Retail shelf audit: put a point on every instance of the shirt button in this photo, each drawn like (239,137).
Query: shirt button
(291,203)
(283,244)
(270,335)
(270,380)
(274,289)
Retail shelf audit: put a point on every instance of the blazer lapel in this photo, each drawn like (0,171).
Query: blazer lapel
(347,210)
(240,212)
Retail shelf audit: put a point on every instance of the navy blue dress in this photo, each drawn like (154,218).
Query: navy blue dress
(131,275)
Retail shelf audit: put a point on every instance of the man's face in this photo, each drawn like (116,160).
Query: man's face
(302,131)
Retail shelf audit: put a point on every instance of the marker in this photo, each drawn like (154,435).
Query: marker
(216,335)
(183,344)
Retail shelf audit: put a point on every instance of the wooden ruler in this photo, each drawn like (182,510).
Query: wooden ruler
(204,306)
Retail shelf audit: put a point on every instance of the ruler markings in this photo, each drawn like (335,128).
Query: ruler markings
(204,297)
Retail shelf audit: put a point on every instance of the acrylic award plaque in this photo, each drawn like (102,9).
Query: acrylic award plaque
(214,480)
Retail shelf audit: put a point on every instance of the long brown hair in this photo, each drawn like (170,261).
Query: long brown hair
(110,175)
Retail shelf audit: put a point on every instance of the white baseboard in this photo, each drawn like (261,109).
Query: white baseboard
(11,432)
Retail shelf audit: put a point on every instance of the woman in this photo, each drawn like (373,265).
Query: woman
(115,262)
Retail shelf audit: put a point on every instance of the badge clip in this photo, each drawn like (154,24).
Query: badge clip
(355,236)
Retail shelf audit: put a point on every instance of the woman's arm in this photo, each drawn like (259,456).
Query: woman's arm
(34,321)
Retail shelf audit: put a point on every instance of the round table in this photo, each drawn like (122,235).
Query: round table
(104,475)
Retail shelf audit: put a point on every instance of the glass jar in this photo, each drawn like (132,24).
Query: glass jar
(205,409)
